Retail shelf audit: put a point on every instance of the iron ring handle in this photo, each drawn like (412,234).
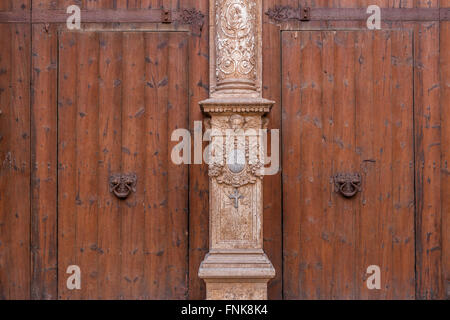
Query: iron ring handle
(122,184)
(347,184)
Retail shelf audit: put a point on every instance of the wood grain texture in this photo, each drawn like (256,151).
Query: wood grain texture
(103,257)
(122,99)
(198,174)
(272,194)
(110,144)
(428,158)
(44,163)
(15,162)
(428,146)
(445,157)
(337,89)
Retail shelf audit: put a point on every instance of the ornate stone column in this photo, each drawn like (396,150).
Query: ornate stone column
(236,266)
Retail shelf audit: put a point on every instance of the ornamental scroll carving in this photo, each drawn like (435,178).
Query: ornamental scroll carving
(236,44)
(236,154)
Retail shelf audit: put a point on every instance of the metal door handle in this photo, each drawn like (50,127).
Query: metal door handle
(347,184)
(122,184)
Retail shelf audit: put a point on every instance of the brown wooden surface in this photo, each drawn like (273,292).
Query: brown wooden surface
(272,203)
(14,161)
(339,114)
(121,95)
(198,174)
(37,152)
(44,163)
(445,158)
(445,147)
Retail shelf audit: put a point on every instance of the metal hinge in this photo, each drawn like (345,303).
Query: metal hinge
(286,13)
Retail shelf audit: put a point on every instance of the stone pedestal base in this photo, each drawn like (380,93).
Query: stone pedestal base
(236,275)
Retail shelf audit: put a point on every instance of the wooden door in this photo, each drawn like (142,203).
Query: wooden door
(347,106)
(120,95)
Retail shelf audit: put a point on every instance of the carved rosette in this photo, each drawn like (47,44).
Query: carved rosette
(236,46)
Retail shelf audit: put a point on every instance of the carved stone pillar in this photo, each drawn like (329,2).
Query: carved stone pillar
(236,266)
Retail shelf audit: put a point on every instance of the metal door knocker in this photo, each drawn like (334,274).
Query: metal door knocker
(347,184)
(122,184)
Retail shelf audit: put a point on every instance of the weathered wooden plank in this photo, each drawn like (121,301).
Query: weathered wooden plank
(177,175)
(445,157)
(403,253)
(198,173)
(110,155)
(344,160)
(272,194)
(86,161)
(133,161)
(67,149)
(291,66)
(15,162)
(429,282)
(157,157)
(44,232)
(327,221)
(311,165)
(79,154)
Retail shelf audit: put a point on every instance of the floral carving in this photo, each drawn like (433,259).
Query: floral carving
(236,133)
(235,41)
(192,16)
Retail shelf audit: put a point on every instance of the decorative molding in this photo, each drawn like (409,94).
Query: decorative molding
(192,17)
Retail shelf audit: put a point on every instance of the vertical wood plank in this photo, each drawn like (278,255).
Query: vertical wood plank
(344,161)
(375,229)
(198,174)
(156,183)
(44,163)
(110,140)
(445,157)
(429,282)
(87,158)
(403,248)
(291,64)
(328,107)
(309,120)
(272,194)
(67,149)
(15,161)
(177,179)
(133,147)
(78,210)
